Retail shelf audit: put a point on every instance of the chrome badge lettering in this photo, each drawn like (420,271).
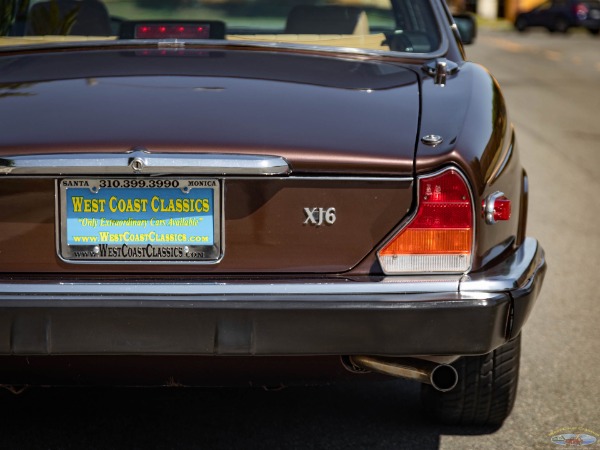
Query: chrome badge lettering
(319,216)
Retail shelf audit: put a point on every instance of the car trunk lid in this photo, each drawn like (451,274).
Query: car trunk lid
(346,130)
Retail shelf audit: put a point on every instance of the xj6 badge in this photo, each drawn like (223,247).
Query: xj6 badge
(319,216)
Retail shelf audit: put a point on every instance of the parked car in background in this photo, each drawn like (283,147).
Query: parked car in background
(260,192)
(561,15)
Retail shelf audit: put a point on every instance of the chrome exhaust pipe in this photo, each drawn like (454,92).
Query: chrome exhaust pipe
(442,377)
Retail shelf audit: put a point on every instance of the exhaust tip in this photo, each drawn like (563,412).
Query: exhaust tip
(444,377)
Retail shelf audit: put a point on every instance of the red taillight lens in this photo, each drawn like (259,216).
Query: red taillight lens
(581,11)
(502,209)
(439,238)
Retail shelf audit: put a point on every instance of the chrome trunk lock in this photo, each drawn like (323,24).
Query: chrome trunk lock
(439,69)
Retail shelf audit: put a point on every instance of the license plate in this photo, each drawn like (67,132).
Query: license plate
(141,220)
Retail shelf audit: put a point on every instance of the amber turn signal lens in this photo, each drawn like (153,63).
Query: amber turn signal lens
(439,238)
(418,242)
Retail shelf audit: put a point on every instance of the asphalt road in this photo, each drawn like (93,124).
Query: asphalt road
(552,85)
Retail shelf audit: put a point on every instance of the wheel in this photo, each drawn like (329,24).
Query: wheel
(486,389)
(594,31)
(561,25)
(521,24)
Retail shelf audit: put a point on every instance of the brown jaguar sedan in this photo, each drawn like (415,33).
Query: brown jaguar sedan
(257,191)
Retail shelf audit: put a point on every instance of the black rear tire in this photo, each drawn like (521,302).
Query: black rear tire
(561,25)
(486,389)
(521,24)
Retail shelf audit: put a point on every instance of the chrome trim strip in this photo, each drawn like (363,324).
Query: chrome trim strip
(341,51)
(489,207)
(216,44)
(511,274)
(141,161)
(503,160)
(272,290)
(345,178)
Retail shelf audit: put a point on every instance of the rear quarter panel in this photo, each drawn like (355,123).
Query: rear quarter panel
(470,113)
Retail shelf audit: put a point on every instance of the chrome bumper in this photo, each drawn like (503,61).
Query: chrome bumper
(389,316)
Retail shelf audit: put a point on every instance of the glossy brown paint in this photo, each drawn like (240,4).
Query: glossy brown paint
(324,115)
(264,226)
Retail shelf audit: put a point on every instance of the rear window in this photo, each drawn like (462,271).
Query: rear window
(397,25)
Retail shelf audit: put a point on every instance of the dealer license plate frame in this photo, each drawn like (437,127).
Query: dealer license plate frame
(146,251)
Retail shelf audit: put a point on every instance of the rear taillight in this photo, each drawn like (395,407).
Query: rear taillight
(439,238)
(581,11)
